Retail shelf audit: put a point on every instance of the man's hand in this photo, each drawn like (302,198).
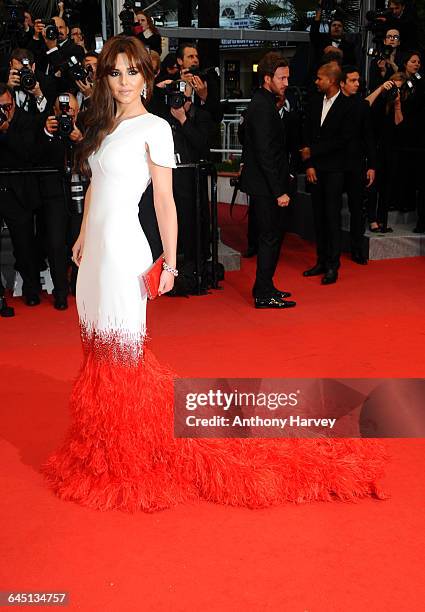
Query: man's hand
(4,126)
(283,200)
(36,91)
(51,125)
(311,176)
(76,135)
(163,84)
(14,79)
(305,153)
(200,87)
(179,114)
(85,88)
(38,29)
(370,176)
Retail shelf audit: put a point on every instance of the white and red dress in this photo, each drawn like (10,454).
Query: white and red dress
(120,451)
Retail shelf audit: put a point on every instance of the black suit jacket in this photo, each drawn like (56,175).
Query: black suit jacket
(265,170)
(329,142)
(361,151)
(320,40)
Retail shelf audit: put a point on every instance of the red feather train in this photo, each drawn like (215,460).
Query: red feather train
(120,451)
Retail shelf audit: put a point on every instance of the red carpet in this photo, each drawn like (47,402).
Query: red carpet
(313,557)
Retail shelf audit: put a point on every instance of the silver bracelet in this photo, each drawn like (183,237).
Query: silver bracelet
(168,268)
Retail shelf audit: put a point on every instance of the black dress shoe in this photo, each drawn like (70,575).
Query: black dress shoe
(314,271)
(32,299)
(273,302)
(282,294)
(359,259)
(330,277)
(5,310)
(60,303)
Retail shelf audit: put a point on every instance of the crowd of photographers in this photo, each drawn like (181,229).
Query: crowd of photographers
(46,85)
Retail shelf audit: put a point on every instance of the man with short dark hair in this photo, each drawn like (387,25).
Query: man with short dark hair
(360,163)
(327,132)
(206,88)
(265,176)
(38,98)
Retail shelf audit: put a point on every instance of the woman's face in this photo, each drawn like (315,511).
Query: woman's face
(142,21)
(413,64)
(125,81)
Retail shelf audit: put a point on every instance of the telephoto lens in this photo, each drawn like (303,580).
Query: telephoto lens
(28,80)
(51,31)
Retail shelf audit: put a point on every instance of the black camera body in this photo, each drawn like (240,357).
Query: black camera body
(127,14)
(76,70)
(381,51)
(174,94)
(65,121)
(26,75)
(204,73)
(51,30)
(391,94)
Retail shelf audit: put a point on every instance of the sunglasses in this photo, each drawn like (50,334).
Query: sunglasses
(393,37)
(7,107)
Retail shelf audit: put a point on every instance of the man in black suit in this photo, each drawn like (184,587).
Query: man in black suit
(38,99)
(327,132)
(52,56)
(265,176)
(19,195)
(360,161)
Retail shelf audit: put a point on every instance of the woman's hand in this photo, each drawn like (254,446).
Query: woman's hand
(77,249)
(166,282)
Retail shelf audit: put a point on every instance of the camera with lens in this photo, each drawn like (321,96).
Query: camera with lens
(204,73)
(50,29)
(381,51)
(77,193)
(65,121)
(76,70)
(391,94)
(174,94)
(127,14)
(26,75)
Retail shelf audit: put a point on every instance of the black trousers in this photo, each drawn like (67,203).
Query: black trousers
(24,251)
(271,223)
(327,203)
(354,185)
(54,222)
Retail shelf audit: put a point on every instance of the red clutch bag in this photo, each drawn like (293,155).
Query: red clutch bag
(152,276)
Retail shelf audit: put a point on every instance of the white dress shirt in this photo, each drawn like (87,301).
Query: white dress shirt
(327,103)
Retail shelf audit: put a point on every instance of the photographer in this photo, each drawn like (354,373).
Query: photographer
(57,217)
(360,164)
(77,37)
(53,49)
(191,126)
(386,111)
(403,16)
(412,147)
(33,91)
(336,37)
(147,32)
(85,86)
(387,60)
(205,83)
(19,195)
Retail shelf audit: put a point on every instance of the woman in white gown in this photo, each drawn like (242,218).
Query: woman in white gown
(120,451)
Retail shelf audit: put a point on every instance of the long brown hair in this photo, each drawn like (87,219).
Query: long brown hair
(99,118)
(149,20)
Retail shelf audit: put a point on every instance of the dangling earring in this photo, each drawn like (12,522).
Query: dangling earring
(144,91)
